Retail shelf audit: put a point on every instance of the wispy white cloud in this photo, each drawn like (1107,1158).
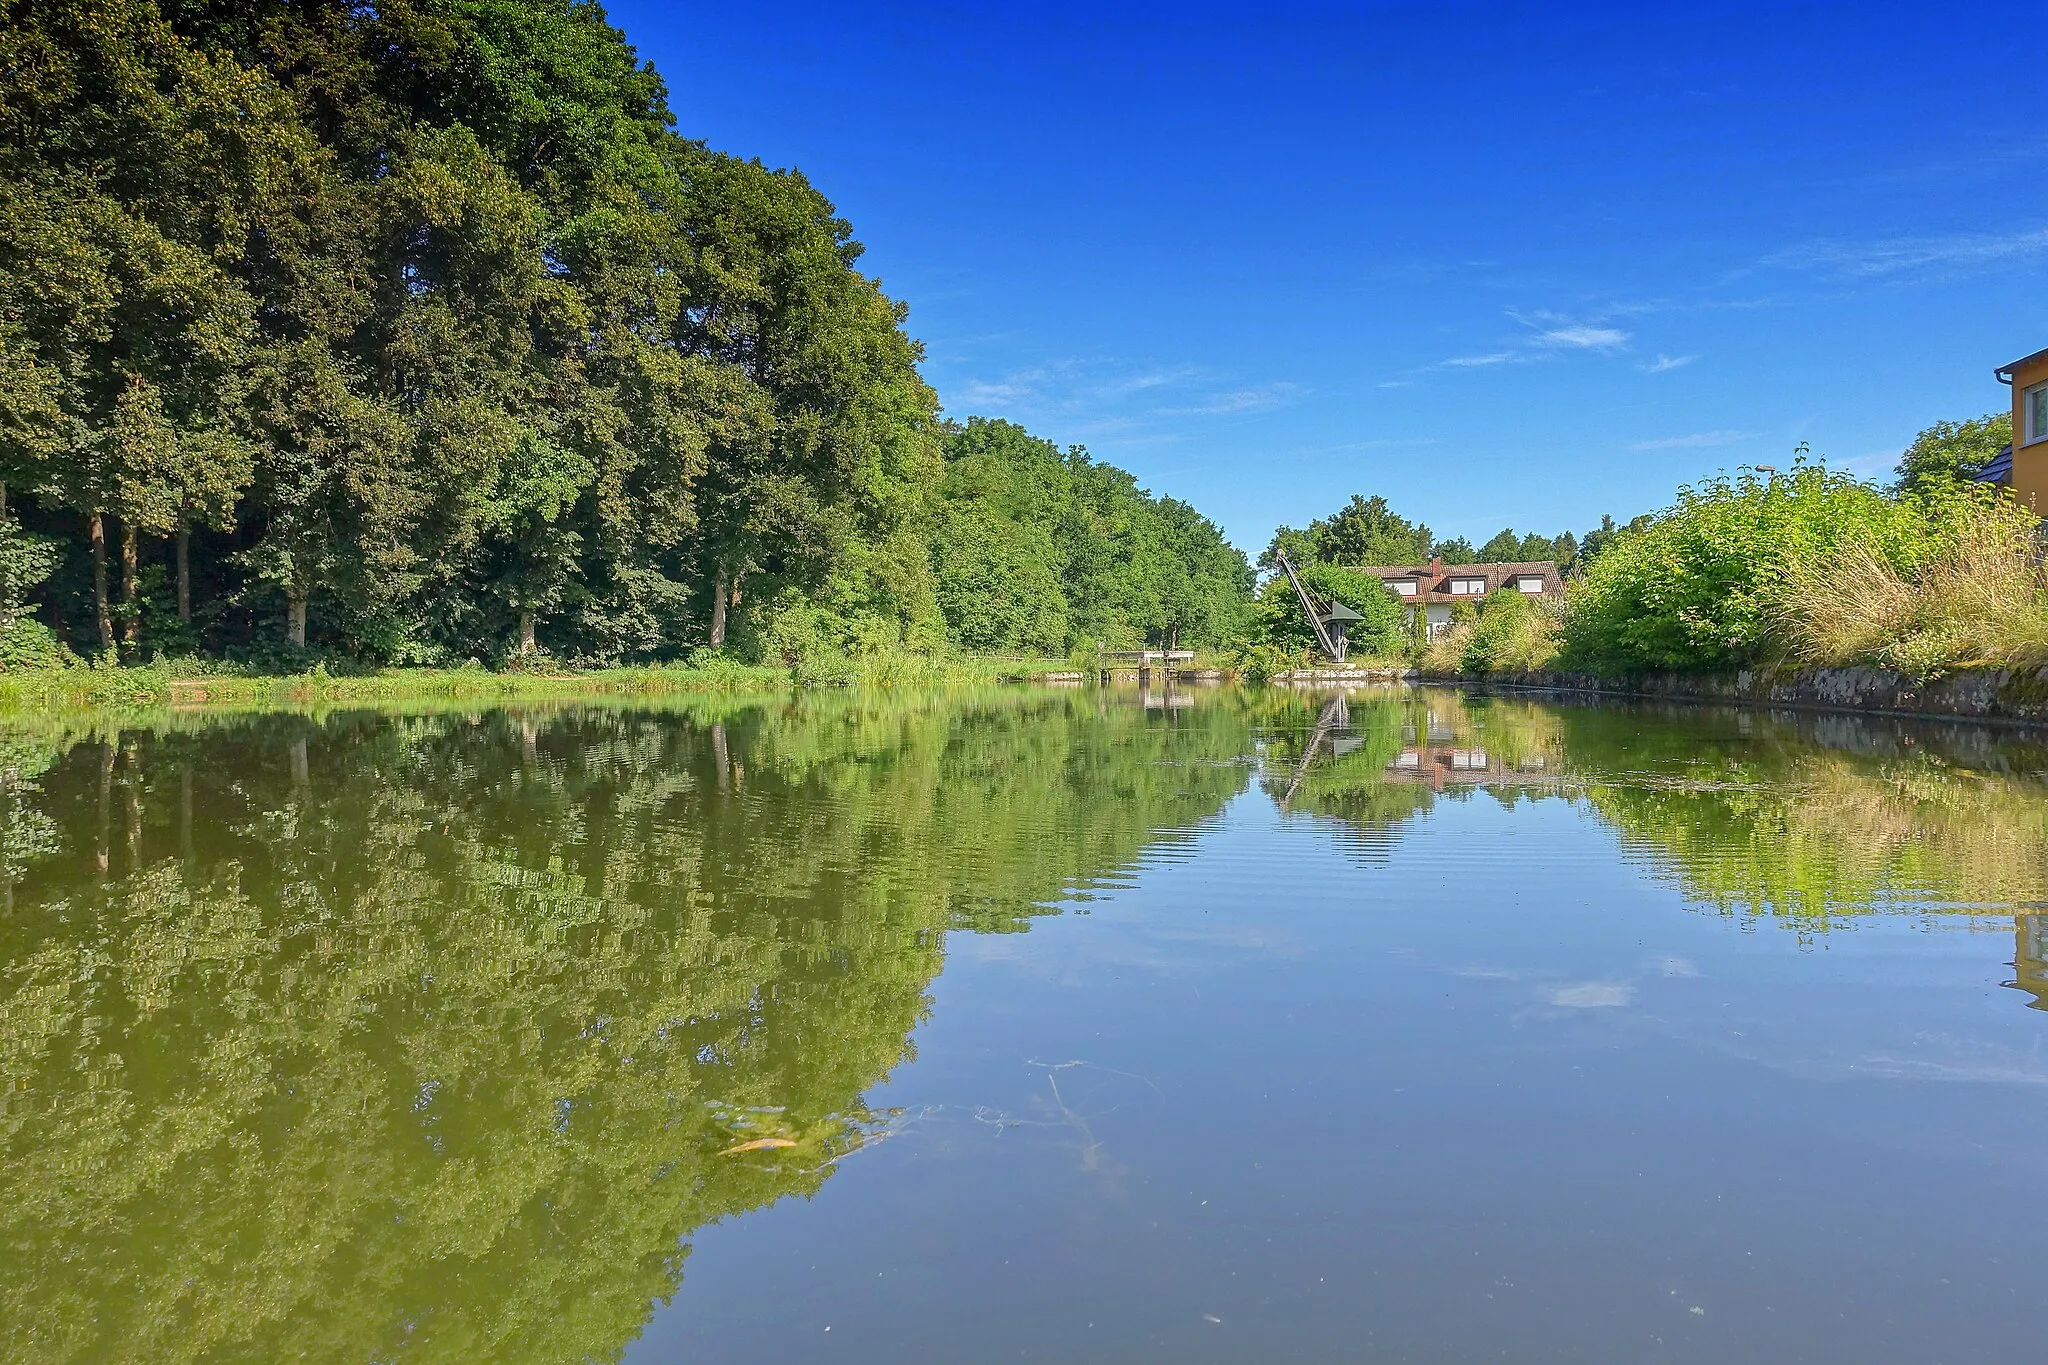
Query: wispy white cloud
(1549,335)
(1261,399)
(1697,440)
(1583,338)
(1664,363)
(1067,386)
(1904,255)
(1472,362)
(1108,400)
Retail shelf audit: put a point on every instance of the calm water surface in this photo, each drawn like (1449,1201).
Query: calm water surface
(1082,1026)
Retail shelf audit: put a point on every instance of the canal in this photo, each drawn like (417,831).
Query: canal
(1080,1025)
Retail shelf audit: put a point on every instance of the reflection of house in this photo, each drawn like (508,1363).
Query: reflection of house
(2030,958)
(1436,587)
(2023,465)
(1454,765)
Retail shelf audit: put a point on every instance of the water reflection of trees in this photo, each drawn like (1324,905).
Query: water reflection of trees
(1800,819)
(1388,755)
(423,1037)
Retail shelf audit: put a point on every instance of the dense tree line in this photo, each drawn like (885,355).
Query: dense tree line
(416,331)
(1367,531)
(1044,549)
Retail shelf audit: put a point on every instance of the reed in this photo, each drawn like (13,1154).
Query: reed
(1979,597)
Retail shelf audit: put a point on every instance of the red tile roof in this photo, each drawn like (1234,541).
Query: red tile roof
(1434,579)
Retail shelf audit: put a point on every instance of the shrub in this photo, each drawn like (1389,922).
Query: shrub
(1257,661)
(1701,586)
(28,644)
(1277,618)
(1446,652)
(1980,595)
(1513,633)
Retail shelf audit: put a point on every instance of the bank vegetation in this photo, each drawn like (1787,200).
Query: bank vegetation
(368,335)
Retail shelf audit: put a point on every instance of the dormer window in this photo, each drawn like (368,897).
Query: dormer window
(1529,582)
(1468,587)
(1402,587)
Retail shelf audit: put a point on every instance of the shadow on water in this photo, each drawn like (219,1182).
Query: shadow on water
(434,1036)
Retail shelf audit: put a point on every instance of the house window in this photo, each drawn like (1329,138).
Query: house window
(1468,760)
(1468,587)
(1404,587)
(2034,406)
(1530,582)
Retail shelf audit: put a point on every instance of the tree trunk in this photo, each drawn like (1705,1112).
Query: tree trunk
(185,574)
(106,806)
(719,589)
(131,792)
(3,502)
(295,619)
(96,532)
(526,641)
(131,606)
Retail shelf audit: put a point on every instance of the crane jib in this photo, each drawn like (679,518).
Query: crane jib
(1310,610)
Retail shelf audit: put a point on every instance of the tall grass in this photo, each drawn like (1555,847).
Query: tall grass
(1978,597)
(1512,633)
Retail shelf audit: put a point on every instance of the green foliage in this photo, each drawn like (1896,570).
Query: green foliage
(1513,633)
(1600,537)
(1949,453)
(28,646)
(1699,586)
(1457,550)
(434,333)
(1040,549)
(1508,548)
(25,563)
(1278,621)
(1365,531)
(445,339)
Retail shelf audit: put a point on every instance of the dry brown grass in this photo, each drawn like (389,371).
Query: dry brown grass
(1980,600)
(1446,652)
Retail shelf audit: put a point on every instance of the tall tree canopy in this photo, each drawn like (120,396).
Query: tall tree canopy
(1952,452)
(1044,549)
(1366,531)
(416,331)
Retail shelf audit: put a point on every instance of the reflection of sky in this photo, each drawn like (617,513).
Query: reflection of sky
(1498,1091)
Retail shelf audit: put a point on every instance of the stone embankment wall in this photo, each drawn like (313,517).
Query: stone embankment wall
(1978,694)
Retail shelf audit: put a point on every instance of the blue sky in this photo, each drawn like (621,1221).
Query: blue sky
(1500,264)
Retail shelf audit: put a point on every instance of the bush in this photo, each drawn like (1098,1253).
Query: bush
(1445,652)
(1256,661)
(1513,633)
(1703,585)
(28,644)
(1979,597)
(1277,618)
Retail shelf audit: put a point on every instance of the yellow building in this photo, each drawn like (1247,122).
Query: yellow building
(2023,466)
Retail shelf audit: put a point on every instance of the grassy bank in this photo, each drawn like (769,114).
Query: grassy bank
(1806,569)
(192,683)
